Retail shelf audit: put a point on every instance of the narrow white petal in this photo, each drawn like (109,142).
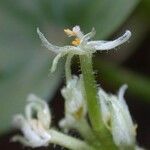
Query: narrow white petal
(104,104)
(51,47)
(126,112)
(34,135)
(88,36)
(18,121)
(22,140)
(55,61)
(78,32)
(121,98)
(107,45)
(122,91)
(38,102)
(41,107)
(28,142)
(122,128)
(27,130)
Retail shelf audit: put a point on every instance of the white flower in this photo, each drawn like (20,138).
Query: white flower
(123,129)
(104,104)
(116,116)
(34,128)
(75,105)
(82,44)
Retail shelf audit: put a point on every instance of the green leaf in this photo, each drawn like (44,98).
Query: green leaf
(24,69)
(138,85)
(106,16)
(23,65)
(144,10)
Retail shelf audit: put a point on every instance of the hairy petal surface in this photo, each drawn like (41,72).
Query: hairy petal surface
(108,45)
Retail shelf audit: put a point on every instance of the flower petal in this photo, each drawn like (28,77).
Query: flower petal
(104,104)
(121,93)
(78,32)
(27,130)
(49,46)
(107,45)
(55,61)
(75,105)
(41,108)
(22,140)
(123,129)
(88,36)
(64,51)
(34,133)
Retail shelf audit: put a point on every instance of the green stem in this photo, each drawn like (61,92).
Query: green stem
(68,141)
(86,132)
(91,92)
(93,103)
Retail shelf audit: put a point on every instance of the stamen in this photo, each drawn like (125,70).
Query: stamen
(78,114)
(69,32)
(76,42)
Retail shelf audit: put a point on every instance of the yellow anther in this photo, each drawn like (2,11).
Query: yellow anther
(69,32)
(76,42)
(78,114)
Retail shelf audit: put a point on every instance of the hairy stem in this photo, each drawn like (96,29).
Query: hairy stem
(93,104)
(91,92)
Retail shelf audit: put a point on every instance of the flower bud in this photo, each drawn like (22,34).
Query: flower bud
(122,126)
(75,105)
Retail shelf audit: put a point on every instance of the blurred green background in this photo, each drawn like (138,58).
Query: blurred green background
(25,64)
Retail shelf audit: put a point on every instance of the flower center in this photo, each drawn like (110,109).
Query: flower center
(70,33)
(76,42)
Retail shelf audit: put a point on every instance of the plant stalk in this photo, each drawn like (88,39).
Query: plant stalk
(91,92)
(68,141)
(93,104)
